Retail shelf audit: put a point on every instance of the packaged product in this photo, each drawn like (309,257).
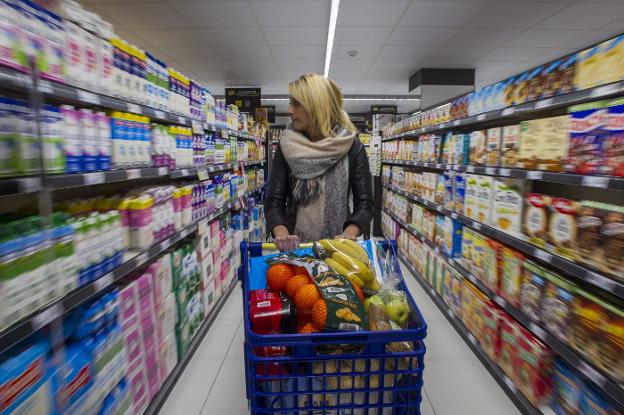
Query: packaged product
(451,237)
(587,138)
(478,153)
(508,205)
(440,229)
(440,190)
(532,132)
(611,61)
(534,365)
(470,196)
(489,338)
(567,390)
(562,227)
(584,336)
(551,79)
(456,291)
(429,225)
(417,217)
(521,88)
(489,266)
(588,72)
(468,300)
(484,198)
(535,222)
(509,145)
(554,144)
(613,144)
(567,70)
(493,146)
(611,330)
(600,236)
(459,191)
(557,305)
(509,333)
(449,180)
(532,291)
(509,91)
(594,404)
(511,275)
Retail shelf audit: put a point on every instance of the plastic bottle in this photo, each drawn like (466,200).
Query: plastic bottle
(103,125)
(90,141)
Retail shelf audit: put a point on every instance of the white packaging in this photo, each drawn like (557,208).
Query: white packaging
(105,65)
(166,316)
(90,140)
(206,270)
(163,278)
(168,355)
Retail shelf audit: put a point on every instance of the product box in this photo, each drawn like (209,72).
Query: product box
(133,343)
(588,71)
(532,290)
(129,305)
(557,306)
(440,190)
(429,225)
(449,180)
(509,332)
(532,133)
(587,138)
(488,337)
(511,275)
(470,196)
(554,146)
(493,147)
(163,278)
(417,217)
(168,355)
(166,316)
(535,224)
(452,237)
(533,369)
(478,153)
(484,197)
(489,264)
(507,205)
(562,227)
(203,245)
(439,231)
(140,390)
(534,84)
(510,145)
(612,62)
(459,191)
(206,269)
(613,144)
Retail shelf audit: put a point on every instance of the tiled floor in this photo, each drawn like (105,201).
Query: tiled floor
(455,381)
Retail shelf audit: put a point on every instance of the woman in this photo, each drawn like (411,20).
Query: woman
(317,165)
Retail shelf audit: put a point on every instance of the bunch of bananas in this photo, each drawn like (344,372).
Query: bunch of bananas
(349,259)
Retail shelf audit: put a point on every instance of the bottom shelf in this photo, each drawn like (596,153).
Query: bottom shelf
(501,378)
(161,397)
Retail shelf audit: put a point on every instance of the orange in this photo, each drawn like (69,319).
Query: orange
(359,292)
(306,297)
(277,276)
(319,314)
(308,328)
(295,283)
(300,270)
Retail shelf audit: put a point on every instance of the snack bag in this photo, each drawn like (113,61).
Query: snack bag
(339,307)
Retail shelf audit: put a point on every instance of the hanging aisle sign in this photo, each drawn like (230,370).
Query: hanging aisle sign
(246,99)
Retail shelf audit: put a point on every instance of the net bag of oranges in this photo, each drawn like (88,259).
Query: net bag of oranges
(324,299)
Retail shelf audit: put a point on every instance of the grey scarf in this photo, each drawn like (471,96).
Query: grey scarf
(321,185)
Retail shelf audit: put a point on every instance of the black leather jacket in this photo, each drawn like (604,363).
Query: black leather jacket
(281,211)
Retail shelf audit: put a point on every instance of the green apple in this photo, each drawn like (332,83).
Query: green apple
(398,311)
(375,299)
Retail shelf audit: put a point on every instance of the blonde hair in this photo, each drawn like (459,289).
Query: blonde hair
(321,98)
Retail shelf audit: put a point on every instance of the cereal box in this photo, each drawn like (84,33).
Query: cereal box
(535,224)
(588,71)
(452,238)
(493,146)
(613,145)
(531,135)
(459,189)
(477,148)
(449,179)
(562,226)
(612,64)
(587,136)
(511,275)
(470,196)
(554,144)
(484,196)
(508,203)
(509,145)
(440,189)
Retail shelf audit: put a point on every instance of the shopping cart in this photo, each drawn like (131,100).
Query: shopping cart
(342,373)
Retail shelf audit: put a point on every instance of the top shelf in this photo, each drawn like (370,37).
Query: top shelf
(527,110)
(17,81)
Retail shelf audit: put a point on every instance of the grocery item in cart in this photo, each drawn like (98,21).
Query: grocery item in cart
(270,312)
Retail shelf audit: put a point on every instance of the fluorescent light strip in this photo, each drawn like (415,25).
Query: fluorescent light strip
(333,19)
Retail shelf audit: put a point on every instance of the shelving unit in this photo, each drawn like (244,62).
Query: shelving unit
(41,318)
(610,387)
(509,115)
(501,378)
(564,265)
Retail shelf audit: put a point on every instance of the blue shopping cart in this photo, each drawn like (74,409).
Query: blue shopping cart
(342,373)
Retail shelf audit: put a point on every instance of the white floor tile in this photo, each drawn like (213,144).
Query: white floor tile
(218,339)
(236,351)
(465,387)
(425,405)
(444,343)
(233,308)
(192,389)
(228,393)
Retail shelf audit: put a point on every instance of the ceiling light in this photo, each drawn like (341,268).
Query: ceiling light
(333,18)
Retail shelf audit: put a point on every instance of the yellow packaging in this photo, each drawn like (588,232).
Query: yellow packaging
(509,146)
(612,60)
(554,144)
(485,193)
(532,133)
(588,70)
(470,196)
(493,147)
(507,205)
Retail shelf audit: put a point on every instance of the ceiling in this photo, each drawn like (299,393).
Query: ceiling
(268,43)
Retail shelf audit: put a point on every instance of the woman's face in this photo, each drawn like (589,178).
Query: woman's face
(299,116)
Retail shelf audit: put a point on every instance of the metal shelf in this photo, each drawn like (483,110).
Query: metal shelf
(501,378)
(611,389)
(161,397)
(42,317)
(564,265)
(18,185)
(520,112)
(602,182)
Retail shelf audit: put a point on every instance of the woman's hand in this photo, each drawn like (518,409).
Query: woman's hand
(284,240)
(352,231)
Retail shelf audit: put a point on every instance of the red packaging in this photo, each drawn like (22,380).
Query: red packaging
(270,312)
(508,354)
(489,336)
(533,369)
(273,368)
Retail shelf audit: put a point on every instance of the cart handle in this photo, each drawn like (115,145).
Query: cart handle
(270,246)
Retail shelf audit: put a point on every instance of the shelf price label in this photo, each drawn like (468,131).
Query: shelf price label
(504,172)
(596,181)
(500,301)
(162,171)
(543,255)
(47,316)
(490,171)
(45,86)
(198,128)
(133,174)
(470,169)
(600,281)
(476,225)
(537,330)
(509,383)
(88,97)
(202,174)
(93,178)
(604,90)
(480,117)
(472,338)
(103,282)
(591,373)
(133,108)
(181,119)
(508,111)
(453,215)
(543,103)
(159,114)
(535,175)
(456,123)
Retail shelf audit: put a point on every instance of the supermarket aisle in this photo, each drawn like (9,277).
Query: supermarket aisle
(455,381)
